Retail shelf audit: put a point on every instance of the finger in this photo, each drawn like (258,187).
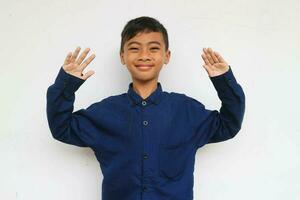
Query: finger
(208,56)
(68,58)
(75,54)
(205,59)
(87,61)
(212,54)
(220,57)
(88,74)
(82,56)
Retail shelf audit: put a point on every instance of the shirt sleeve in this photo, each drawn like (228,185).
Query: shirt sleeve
(65,125)
(212,126)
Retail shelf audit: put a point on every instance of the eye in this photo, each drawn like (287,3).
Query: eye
(133,48)
(155,48)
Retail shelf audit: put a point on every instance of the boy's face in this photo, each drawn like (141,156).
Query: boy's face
(144,56)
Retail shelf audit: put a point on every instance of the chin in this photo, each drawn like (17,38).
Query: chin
(144,78)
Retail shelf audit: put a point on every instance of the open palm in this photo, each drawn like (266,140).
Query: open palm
(75,66)
(214,65)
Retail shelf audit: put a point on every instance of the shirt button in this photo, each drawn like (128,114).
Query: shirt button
(145,189)
(145,123)
(65,84)
(145,156)
(144,103)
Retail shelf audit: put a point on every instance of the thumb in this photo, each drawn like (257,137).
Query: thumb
(206,68)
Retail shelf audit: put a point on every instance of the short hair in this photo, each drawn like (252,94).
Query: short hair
(143,24)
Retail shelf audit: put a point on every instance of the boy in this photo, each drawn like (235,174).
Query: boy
(145,139)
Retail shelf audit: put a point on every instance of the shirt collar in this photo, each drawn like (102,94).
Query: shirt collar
(154,97)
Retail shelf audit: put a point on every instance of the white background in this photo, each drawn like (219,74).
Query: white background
(259,39)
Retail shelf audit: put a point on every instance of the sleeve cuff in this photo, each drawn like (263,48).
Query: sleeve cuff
(221,81)
(67,81)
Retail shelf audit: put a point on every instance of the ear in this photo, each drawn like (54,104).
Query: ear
(167,56)
(122,58)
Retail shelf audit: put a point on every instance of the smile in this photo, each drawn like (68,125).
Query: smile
(144,67)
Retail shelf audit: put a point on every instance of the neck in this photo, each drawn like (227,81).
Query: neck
(144,89)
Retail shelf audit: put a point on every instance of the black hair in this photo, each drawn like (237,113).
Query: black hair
(143,24)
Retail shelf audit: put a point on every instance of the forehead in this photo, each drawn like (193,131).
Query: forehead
(146,39)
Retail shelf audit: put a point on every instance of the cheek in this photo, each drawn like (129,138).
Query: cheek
(159,59)
(131,57)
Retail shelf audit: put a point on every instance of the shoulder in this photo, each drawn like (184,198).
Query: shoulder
(115,98)
(185,100)
(104,106)
(107,100)
(180,96)
(115,101)
(178,100)
(177,96)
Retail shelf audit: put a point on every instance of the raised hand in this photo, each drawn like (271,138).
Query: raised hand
(214,63)
(75,66)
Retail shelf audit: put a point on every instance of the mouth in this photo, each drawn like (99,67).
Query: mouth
(144,67)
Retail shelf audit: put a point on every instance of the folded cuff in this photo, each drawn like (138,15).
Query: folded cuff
(67,81)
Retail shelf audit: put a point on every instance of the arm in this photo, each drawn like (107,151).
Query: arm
(65,125)
(213,126)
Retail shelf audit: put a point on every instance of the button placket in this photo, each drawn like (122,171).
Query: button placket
(65,84)
(229,81)
(145,156)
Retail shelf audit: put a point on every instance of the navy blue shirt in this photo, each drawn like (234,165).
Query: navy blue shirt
(146,147)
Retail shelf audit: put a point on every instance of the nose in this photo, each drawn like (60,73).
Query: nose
(144,55)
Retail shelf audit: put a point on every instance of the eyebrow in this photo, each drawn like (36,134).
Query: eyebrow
(152,42)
